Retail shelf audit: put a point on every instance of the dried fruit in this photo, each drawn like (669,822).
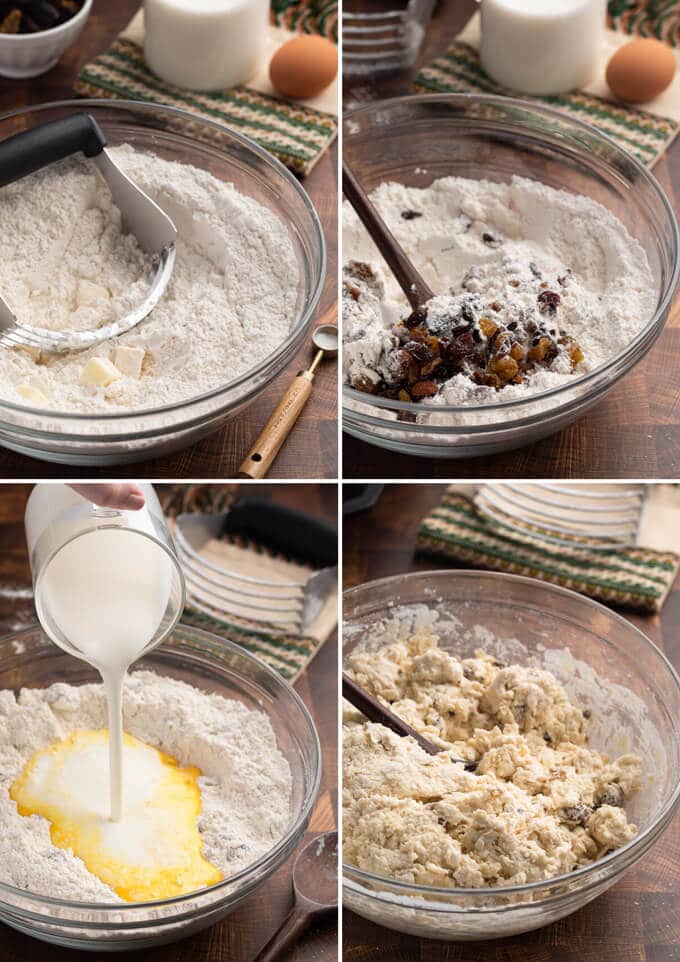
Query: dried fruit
(548,302)
(487,326)
(492,239)
(12,22)
(611,794)
(424,389)
(576,814)
(505,367)
(411,214)
(542,351)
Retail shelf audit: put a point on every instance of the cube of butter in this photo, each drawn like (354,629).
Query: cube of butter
(89,294)
(129,360)
(99,372)
(33,352)
(32,394)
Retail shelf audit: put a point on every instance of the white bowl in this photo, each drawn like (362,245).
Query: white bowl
(31,54)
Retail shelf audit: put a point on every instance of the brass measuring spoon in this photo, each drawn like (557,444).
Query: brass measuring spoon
(259,459)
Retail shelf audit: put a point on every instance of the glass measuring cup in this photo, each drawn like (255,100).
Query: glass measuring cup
(58,521)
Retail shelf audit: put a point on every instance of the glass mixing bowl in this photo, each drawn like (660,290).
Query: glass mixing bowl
(214,665)
(603,662)
(415,140)
(177,135)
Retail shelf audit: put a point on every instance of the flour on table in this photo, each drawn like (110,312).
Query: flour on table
(245,783)
(66,265)
(535,285)
(539,803)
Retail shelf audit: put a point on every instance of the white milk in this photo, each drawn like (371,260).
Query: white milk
(541,46)
(106,592)
(205,44)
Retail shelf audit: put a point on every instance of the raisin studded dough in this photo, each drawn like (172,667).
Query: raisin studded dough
(539,804)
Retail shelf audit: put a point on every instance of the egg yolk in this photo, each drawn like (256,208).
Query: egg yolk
(155,850)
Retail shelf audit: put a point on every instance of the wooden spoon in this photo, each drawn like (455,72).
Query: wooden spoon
(315,887)
(375,711)
(412,284)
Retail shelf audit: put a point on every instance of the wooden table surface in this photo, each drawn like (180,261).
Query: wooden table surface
(633,433)
(638,920)
(311,449)
(243,933)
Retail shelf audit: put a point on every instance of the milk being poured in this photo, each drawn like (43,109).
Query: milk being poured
(106,592)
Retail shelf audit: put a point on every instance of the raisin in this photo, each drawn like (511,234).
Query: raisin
(587,713)
(486,379)
(411,214)
(491,239)
(611,794)
(576,814)
(548,302)
(419,351)
(424,389)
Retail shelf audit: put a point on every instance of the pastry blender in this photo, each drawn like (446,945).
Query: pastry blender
(31,150)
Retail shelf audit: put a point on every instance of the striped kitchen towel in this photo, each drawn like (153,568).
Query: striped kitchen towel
(634,577)
(296,133)
(646,133)
(289,654)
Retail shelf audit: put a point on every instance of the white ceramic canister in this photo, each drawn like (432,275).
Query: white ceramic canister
(541,46)
(205,44)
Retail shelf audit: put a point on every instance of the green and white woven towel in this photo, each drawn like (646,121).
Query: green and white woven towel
(298,134)
(645,133)
(635,577)
(289,654)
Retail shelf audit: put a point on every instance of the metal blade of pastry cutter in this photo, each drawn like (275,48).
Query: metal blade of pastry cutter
(220,592)
(155,233)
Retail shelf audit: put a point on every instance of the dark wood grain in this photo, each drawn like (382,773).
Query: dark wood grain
(311,449)
(638,920)
(633,433)
(240,937)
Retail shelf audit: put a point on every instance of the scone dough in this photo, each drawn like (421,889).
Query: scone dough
(540,803)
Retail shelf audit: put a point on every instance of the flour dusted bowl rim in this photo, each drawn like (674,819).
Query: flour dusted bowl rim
(371,603)
(194,653)
(286,198)
(566,142)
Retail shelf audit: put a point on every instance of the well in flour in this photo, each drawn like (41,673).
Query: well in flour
(245,784)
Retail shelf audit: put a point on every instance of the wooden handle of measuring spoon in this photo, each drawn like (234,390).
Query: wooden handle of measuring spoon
(408,278)
(260,457)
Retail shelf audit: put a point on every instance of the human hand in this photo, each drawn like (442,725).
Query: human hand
(126,497)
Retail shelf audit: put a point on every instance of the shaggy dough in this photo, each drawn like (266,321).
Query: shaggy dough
(540,803)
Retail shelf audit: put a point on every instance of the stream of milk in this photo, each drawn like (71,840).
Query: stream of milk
(107,592)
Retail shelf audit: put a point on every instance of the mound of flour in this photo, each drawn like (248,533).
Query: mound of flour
(67,265)
(498,243)
(245,784)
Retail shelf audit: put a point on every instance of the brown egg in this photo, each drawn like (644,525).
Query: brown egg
(304,66)
(640,70)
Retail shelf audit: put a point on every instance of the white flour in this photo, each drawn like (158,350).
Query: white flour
(66,265)
(487,243)
(245,784)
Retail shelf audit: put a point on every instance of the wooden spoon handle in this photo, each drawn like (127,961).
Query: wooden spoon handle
(375,711)
(294,926)
(259,459)
(408,278)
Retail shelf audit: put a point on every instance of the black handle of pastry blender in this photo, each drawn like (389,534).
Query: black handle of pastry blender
(293,533)
(415,288)
(24,153)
